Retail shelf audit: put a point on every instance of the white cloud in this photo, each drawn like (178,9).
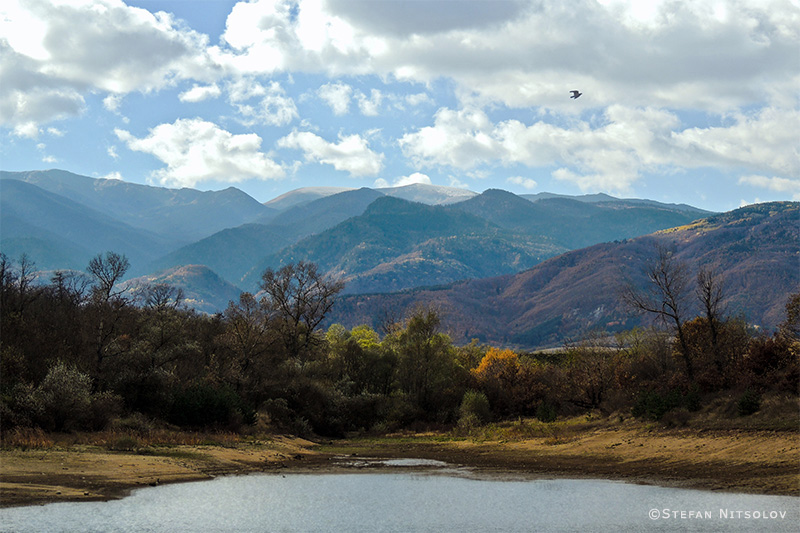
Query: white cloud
(707,54)
(418,99)
(337,96)
(455,182)
(28,130)
(526,183)
(460,139)
(198,93)
(115,175)
(414,178)
(789,185)
(261,104)
(370,106)
(608,154)
(112,152)
(196,151)
(762,142)
(351,154)
(112,102)
(52,53)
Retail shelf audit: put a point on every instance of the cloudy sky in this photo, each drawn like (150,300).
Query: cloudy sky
(694,101)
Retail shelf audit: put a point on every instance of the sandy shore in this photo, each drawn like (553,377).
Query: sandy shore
(739,461)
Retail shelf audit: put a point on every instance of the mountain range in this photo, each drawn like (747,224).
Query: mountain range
(756,249)
(379,241)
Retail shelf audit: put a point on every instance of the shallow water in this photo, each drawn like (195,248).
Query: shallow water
(439,499)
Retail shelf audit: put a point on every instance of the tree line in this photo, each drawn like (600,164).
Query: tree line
(82,351)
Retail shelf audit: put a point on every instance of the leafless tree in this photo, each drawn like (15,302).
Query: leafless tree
(665,297)
(162,296)
(107,271)
(301,298)
(710,293)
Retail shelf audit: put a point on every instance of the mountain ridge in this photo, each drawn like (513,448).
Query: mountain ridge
(757,248)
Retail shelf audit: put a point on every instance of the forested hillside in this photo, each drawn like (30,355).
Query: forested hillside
(753,249)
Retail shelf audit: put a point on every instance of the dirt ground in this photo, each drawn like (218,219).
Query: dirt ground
(83,473)
(762,462)
(733,461)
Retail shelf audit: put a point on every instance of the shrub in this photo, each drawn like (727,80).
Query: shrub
(654,405)
(26,438)
(64,401)
(546,412)
(124,443)
(749,403)
(209,406)
(104,407)
(474,409)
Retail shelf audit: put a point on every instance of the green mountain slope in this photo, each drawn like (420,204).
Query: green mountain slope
(182,215)
(203,289)
(230,253)
(397,244)
(573,223)
(755,248)
(58,233)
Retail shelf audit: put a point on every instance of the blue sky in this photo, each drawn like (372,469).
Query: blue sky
(693,102)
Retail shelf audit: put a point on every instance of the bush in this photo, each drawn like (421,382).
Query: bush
(208,406)
(749,403)
(124,443)
(105,406)
(474,409)
(654,405)
(546,412)
(64,401)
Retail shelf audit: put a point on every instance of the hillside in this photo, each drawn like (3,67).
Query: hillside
(323,213)
(181,215)
(230,253)
(58,233)
(397,244)
(203,290)
(756,248)
(574,223)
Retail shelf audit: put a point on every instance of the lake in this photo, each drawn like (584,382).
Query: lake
(437,498)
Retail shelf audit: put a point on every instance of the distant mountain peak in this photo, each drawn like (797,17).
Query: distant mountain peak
(303,195)
(425,193)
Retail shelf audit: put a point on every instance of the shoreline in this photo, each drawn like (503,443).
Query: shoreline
(739,461)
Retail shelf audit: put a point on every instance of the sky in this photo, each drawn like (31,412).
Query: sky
(693,102)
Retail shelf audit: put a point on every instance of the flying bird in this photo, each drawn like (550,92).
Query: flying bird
(575,94)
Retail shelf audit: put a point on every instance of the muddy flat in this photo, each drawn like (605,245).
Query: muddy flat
(763,462)
(83,473)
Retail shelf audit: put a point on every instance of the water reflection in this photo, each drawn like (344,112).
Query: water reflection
(418,501)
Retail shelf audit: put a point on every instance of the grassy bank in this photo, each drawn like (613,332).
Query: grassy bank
(758,454)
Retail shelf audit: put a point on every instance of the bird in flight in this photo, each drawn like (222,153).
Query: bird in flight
(575,94)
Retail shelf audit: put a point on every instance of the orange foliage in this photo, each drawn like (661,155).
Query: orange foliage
(497,365)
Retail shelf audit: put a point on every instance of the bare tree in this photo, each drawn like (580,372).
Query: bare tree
(69,286)
(107,271)
(17,283)
(162,296)
(665,297)
(790,328)
(300,298)
(710,293)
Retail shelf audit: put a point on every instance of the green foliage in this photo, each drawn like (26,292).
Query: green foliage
(474,409)
(653,405)
(63,401)
(69,362)
(205,405)
(546,412)
(749,403)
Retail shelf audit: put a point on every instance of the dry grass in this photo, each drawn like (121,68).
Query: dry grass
(26,439)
